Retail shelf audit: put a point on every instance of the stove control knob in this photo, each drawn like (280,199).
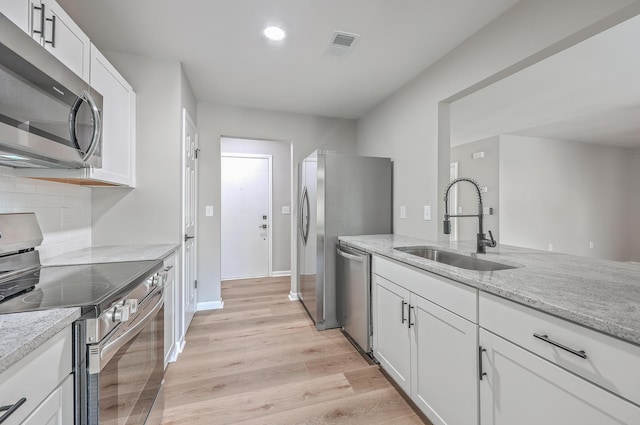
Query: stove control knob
(132,303)
(120,313)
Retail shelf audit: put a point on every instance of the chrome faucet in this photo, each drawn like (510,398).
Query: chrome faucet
(483,242)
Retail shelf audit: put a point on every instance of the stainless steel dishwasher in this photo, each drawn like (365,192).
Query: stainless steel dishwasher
(353,295)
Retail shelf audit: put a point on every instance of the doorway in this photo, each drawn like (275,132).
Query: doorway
(255,208)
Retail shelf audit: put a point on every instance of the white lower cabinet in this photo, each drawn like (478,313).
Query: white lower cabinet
(43,379)
(392,336)
(428,350)
(444,364)
(522,388)
(170,316)
(465,357)
(57,409)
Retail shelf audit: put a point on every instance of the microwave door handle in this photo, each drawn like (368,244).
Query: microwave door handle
(97,123)
(97,126)
(110,348)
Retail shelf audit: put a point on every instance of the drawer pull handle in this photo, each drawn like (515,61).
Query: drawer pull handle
(410,322)
(545,338)
(403,318)
(481,373)
(10,409)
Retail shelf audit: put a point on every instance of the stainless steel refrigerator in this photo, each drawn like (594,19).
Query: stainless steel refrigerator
(339,195)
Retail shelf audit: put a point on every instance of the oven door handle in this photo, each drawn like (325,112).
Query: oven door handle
(100,355)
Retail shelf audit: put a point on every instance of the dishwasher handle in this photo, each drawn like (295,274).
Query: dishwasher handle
(348,256)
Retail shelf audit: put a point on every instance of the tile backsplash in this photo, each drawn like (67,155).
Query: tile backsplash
(63,210)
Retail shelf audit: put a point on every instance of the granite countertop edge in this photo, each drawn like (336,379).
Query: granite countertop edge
(21,333)
(113,254)
(498,283)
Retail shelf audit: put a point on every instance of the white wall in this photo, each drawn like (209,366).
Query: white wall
(485,171)
(151,213)
(566,194)
(63,211)
(631,222)
(281,193)
(304,132)
(405,125)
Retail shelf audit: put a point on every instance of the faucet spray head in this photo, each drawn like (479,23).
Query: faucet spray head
(447,225)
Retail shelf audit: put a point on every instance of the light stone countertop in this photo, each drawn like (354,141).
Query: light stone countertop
(599,294)
(21,333)
(112,254)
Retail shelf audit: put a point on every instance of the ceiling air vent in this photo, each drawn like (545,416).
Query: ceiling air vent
(342,43)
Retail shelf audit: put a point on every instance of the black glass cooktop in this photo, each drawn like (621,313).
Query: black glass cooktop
(93,287)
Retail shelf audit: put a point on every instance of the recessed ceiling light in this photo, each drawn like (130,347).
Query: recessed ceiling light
(274,33)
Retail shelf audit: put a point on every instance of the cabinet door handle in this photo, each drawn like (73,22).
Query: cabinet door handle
(404,319)
(41,32)
(410,322)
(545,338)
(10,409)
(480,372)
(53,31)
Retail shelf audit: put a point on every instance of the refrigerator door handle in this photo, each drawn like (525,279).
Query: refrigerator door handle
(304,218)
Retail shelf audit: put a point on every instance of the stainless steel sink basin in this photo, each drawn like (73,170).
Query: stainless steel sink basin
(453,259)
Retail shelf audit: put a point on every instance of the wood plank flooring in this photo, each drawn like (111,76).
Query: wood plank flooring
(260,361)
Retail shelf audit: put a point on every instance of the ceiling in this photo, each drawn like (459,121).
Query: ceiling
(587,93)
(227,60)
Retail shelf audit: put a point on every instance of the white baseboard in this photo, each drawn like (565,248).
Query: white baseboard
(281,273)
(180,346)
(210,305)
(172,356)
(294,296)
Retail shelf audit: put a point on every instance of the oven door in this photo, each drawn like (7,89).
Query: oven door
(131,367)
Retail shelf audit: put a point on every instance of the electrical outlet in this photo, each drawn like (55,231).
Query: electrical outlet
(427,212)
(550,247)
(484,189)
(286,209)
(208,211)
(403,212)
(591,244)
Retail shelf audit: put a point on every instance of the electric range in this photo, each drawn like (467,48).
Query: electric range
(118,342)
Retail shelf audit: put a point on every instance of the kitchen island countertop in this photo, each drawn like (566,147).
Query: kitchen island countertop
(21,333)
(600,294)
(112,254)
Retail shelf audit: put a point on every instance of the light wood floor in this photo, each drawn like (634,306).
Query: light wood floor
(261,361)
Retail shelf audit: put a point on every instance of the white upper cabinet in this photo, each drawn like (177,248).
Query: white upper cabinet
(63,38)
(18,11)
(50,26)
(118,118)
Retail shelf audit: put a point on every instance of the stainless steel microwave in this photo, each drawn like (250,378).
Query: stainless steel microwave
(49,116)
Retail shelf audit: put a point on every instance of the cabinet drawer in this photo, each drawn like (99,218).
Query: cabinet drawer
(453,296)
(36,375)
(610,362)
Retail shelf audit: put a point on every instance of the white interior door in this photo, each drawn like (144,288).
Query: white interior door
(189,192)
(245,216)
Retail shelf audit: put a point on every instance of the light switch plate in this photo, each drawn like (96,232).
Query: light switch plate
(403,212)
(286,209)
(427,212)
(208,210)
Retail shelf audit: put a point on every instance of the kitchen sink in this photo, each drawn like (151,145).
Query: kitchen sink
(453,259)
